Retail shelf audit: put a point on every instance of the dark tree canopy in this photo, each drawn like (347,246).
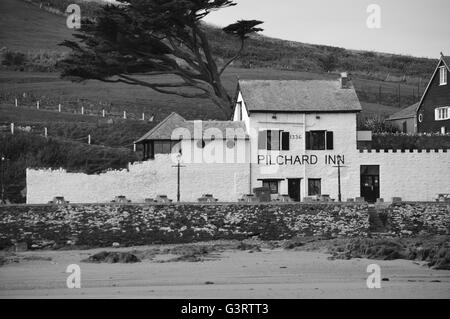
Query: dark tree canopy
(131,42)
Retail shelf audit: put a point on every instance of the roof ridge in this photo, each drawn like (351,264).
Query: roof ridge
(157,126)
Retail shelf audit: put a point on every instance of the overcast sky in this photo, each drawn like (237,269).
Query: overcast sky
(415,27)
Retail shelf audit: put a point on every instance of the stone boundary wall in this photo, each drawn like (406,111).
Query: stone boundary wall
(416,218)
(101,225)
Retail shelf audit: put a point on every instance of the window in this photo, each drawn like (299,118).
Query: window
(231,143)
(273,140)
(314,186)
(442,113)
(272,185)
(319,140)
(239,111)
(405,127)
(163,147)
(201,144)
(442,75)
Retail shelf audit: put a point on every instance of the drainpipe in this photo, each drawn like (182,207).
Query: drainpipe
(250,166)
(305,180)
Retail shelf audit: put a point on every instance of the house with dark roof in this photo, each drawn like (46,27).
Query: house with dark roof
(174,134)
(405,119)
(433,111)
(314,118)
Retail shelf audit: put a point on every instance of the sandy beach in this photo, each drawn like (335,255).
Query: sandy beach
(230,273)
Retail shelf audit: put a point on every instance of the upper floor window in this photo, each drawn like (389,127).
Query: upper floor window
(319,140)
(239,111)
(273,140)
(442,113)
(442,75)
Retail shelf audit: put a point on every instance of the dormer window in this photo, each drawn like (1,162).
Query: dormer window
(442,75)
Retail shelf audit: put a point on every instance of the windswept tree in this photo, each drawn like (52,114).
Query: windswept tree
(137,41)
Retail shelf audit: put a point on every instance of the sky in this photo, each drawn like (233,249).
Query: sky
(414,27)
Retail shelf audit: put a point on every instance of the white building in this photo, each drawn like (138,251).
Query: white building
(288,136)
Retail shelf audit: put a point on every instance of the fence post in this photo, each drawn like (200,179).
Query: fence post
(143,116)
(89,139)
(134,147)
(37,105)
(12,128)
(15,102)
(82,110)
(59,108)
(124,115)
(45,132)
(379,94)
(103,113)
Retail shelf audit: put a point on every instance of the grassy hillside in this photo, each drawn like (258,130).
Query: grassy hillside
(27,28)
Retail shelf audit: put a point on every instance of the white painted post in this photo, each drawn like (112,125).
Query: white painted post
(37,105)
(103,113)
(59,108)
(82,110)
(124,115)
(15,102)
(143,116)
(89,139)
(134,147)
(45,132)
(12,128)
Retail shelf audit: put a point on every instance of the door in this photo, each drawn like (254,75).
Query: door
(370,182)
(294,189)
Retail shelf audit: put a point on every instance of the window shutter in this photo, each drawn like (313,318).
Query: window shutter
(308,140)
(262,140)
(285,141)
(329,140)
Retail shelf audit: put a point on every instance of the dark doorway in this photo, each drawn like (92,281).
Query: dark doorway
(370,182)
(294,189)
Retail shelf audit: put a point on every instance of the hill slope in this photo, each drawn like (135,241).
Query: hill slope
(26,28)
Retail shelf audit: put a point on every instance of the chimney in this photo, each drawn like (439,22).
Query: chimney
(345,81)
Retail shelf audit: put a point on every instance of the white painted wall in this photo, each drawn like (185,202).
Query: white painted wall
(227,182)
(412,176)
(343,126)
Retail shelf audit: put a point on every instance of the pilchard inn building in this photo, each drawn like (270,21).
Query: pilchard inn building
(297,139)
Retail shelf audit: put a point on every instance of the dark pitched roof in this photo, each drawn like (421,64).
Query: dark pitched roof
(298,96)
(407,112)
(164,130)
(446,59)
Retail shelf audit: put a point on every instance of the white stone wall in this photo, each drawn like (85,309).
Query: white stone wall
(227,182)
(412,176)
